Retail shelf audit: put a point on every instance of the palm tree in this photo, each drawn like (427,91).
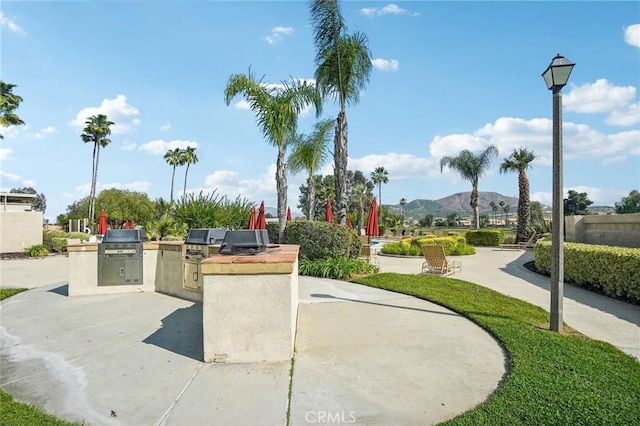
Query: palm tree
(471,167)
(519,161)
(96,131)
(310,153)
(173,157)
(494,210)
(380,176)
(343,67)
(361,197)
(9,102)
(188,156)
(506,209)
(502,204)
(277,110)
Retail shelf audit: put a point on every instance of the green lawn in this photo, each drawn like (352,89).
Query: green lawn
(553,379)
(13,413)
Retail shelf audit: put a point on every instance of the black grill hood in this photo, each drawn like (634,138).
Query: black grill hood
(205,236)
(123,236)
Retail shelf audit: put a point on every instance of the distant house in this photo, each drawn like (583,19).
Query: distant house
(20,225)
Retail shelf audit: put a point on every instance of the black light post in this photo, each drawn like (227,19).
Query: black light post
(556,76)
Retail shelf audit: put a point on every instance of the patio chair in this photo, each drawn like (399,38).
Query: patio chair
(436,262)
(530,243)
(369,254)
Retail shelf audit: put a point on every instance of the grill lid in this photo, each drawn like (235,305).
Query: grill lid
(206,236)
(122,236)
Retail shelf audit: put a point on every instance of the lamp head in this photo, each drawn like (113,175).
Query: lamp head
(557,73)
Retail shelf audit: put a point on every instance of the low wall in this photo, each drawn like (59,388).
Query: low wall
(622,230)
(169,272)
(250,306)
(19,230)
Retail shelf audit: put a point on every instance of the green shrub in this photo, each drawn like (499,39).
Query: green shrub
(461,249)
(173,238)
(48,236)
(38,250)
(272,231)
(614,271)
(78,235)
(58,245)
(320,240)
(485,237)
(403,248)
(335,267)
(447,242)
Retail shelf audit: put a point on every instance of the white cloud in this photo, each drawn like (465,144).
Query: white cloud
(165,127)
(160,147)
(390,9)
(128,145)
(625,117)
(242,104)
(278,33)
(9,176)
(600,96)
(632,35)
(117,110)
(45,131)
(386,64)
(8,23)
(83,190)
(16,180)
(400,166)
(5,153)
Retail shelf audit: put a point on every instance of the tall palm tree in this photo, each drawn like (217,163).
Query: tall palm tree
(506,209)
(188,156)
(343,67)
(277,110)
(361,196)
(9,102)
(380,176)
(97,128)
(519,161)
(310,153)
(494,210)
(502,204)
(471,167)
(173,157)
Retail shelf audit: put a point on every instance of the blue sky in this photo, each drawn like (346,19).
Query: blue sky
(447,76)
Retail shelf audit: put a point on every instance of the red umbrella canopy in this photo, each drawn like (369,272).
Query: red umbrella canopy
(126,225)
(102,223)
(349,223)
(288,213)
(261,222)
(253,218)
(328,211)
(132,224)
(372,222)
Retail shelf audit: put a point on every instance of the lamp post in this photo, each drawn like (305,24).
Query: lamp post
(556,76)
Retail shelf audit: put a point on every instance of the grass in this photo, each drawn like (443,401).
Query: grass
(17,413)
(552,379)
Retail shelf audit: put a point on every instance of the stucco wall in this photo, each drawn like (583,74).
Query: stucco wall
(621,230)
(19,230)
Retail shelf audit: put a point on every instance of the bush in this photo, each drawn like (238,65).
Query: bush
(38,250)
(461,249)
(272,231)
(335,267)
(447,242)
(78,235)
(614,271)
(58,245)
(492,238)
(319,239)
(403,248)
(48,236)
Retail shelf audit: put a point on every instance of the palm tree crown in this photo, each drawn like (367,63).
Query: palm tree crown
(343,64)
(310,153)
(188,156)
(277,109)
(519,162)
(380,176)
(9,102)
(96,130)
(471,167)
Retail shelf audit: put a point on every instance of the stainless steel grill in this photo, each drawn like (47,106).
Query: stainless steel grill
(199,244)
(245,242)
(120,258)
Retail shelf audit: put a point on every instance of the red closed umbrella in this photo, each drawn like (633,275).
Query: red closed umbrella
(349,223)
(288,214)
(132,224)
(126,225)
(102,223)
(253,218)
(328,214)
(261,222)
(372,223)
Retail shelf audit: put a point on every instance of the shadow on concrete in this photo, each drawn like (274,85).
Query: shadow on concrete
(63,290)
(328,296)
(623,310)
(181,333)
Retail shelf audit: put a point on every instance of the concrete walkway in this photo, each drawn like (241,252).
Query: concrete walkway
(363,355)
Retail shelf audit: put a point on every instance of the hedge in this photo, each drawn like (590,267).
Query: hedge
(483,237)
(614,271)
(321,240)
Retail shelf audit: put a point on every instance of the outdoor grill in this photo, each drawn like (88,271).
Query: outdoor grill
(199,244)
(120,258)
(245,242)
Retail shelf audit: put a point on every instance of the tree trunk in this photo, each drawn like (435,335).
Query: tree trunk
(474,206)
(340,168)
(92,207)
(311,198)
(93,182)
(524,208)
(360,216)
(281,188)
(184,191)
(173,175)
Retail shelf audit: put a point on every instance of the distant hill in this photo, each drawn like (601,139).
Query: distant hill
(456,203)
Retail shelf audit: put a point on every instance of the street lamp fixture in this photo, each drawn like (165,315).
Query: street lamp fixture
(556,76)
